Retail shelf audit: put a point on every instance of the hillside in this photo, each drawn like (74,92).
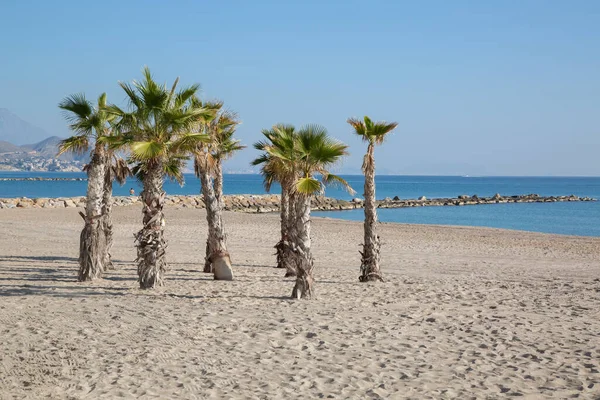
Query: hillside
(39,156)
(6,147)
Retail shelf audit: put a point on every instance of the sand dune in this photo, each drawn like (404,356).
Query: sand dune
(464,313)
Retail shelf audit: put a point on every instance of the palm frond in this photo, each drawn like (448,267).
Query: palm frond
(77,144)
(188,143)
(336,180)
(142,151)
(121,170)
(174,168)
(308,186)
(76,106)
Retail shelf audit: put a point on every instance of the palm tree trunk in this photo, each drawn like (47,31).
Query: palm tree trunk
(284,216)
(92,243)
(370,255)
(107,224)
(150,239)
(217,254)
(218,183)
(288,222)
(301,254)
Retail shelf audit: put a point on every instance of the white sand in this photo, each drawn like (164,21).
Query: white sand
(465,313)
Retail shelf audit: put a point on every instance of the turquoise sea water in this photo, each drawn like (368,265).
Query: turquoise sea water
(574,218)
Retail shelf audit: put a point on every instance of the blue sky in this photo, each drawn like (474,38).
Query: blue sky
(477,87)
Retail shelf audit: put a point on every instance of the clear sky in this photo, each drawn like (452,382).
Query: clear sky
(477,87)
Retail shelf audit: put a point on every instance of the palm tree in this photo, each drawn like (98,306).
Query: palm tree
(276,169)
(313,152)
(91,123)
(373,133)
(157,129)
(117,170)
(208,167)
(224,147)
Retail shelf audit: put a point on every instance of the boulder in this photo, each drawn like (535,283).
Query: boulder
(422,198)
(497,196)
(396,198)
(356,200)
(463,197)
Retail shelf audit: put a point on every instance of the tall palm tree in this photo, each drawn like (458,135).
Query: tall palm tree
(275,169)
(157,129)
(373,133)
(91,123)
(314,152)
(208,167)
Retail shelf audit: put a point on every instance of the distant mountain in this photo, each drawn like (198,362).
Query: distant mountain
(6,147)
(47,146)
(17,131)
(39,156)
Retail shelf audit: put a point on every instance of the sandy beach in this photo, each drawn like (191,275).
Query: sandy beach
(464,313)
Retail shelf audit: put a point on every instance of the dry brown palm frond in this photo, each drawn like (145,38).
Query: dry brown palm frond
(120,170)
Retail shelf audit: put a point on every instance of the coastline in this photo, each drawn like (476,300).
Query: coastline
(464,311)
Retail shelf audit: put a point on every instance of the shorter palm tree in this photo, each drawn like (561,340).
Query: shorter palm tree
(313,153)
(117,170)
(157,130)
(92,123)
(373,133)
(277,169)
(208,159)
(224,147)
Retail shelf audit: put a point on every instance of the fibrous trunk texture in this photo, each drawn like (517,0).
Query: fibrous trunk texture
(92,242)
(150,241)
(288,220)
(284,217)
(369,269)
(107,224)
(218,183)
(301,255)
(217,239)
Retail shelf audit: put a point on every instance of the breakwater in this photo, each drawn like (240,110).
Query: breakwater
(270,203)
(36,179)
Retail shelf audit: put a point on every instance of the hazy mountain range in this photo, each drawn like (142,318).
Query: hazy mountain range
(29,148)
(18,131)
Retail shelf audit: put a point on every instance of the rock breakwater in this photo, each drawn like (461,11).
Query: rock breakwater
(270,203)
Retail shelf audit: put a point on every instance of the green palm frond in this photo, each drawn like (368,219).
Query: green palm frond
(142,151)
(116,142)
(131,94)
(359,127)
(188,143)
(308,186)
(76,144)
(380,130)
(174,168)
(336,180)
(76,106)
(372,132)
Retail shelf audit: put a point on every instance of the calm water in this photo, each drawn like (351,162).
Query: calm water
(565,218)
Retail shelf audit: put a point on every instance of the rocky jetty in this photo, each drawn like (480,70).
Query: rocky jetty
(270,203)
(44,179)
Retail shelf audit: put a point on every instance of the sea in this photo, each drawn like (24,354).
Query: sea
(569,218)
